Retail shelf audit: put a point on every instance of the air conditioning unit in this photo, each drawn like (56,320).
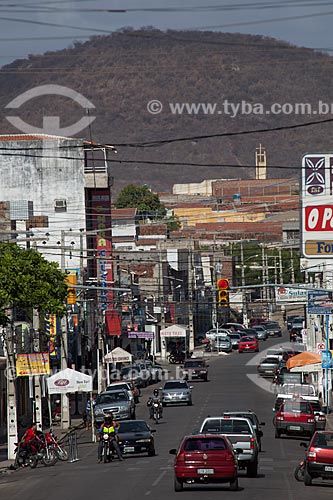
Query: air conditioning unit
(60,205)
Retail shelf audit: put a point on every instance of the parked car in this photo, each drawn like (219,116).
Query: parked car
(234,327)
(127,386)
(135,436)
(195,369)
(211,334)
(131,373)
(319,457)
(253,419)
(295,417)
(267,367)
(242,436)
(144,372)
(248,344)
(176,392)
(222,343)
(235,339)
(205,458)
(158,373)
(116,402)
(261,332)
(273,328)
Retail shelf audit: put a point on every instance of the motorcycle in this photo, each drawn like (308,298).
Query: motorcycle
(176,357)
(156,412)
(299,471)
(24,458)
(107,448)
(55,445)
(44,453)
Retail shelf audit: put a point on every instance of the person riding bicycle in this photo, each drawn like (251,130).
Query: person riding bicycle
(110,426)
(150,403)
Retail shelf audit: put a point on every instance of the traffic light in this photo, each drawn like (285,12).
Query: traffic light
(71,292)
(223,292)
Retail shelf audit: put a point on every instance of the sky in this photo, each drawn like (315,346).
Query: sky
(35,26)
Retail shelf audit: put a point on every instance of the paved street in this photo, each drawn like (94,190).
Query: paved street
(230,387)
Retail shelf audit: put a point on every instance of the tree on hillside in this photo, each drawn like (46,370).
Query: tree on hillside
(141,197)
(28,281)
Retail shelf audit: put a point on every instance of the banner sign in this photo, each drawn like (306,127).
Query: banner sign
(51,331)
(140,335)
(286,294)
(320,302)
(37,363)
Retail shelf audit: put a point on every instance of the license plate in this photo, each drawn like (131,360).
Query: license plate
(294,428)
(205,471)
(328,469)
(129,449)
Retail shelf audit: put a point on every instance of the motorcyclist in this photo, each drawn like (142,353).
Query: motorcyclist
(110,426)
(150,403)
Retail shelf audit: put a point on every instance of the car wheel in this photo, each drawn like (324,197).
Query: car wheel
(252,469)
(257,350)
(205,379)
(178,484)
(234,484)
(189,403)
(151,453)
(307,478)
(277,434)
(164,405)
(240,352)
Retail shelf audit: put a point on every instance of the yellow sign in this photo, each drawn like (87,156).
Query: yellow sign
(37,363)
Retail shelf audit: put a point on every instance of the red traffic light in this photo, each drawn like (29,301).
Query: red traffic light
(223,284)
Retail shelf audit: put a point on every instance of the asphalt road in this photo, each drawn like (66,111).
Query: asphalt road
(233,385)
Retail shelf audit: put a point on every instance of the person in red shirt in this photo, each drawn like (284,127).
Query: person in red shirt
(30,440)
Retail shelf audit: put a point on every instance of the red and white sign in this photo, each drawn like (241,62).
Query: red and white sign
(319,218)
(320,346)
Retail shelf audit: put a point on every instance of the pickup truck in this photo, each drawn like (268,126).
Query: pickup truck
(241,434)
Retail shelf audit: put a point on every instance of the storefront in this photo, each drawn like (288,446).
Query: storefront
(175,336)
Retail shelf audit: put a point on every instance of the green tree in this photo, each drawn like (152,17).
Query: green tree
(141,198)
(28,281)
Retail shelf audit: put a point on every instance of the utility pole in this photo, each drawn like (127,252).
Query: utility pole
(38,414)
(292,265)
(190,301)
(12,437)
(65,413)
(280,266)
(244,304)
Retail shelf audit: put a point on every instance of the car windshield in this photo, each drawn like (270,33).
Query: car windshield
(296,407)
(246,339)
(204,444)
(111,397)
(175,385)
(269,361)
(234,336)
(118,386)
(133,426)
(226,426)
(193,364)
(324,440)
(302,389)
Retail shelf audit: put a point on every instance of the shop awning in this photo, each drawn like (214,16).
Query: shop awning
(118,355)
(68,381)
(174,331)
(303,359)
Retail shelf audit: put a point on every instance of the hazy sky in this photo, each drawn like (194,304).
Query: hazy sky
(22,29)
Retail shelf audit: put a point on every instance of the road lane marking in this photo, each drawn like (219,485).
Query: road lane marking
(160,477)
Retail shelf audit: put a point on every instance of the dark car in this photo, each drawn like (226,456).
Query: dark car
(195,369)
(135,436)
(273,328)
(250,332)
(205,458)
(319,457)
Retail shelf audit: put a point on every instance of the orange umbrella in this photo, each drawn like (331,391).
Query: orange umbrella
(303,359)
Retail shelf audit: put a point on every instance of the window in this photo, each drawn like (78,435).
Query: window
(60,205)
(175,385)
(205,444)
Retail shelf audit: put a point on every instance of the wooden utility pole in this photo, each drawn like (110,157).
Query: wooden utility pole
(190,300)
(65,411)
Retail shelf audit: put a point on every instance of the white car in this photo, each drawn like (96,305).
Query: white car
(121,385)
(211,334)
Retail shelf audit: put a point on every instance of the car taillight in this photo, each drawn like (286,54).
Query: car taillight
(311,420)
(181,457)
(321,418)
(229,457)
(252,443)
(312,456)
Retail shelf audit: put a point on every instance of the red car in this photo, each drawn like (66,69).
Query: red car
(295,417)
(319,457)
(205,458)
(248,344)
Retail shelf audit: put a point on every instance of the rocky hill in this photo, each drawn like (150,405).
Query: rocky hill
(122,72)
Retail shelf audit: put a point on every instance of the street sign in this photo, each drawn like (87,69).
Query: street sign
(326,357)
(320,302)
(320,347)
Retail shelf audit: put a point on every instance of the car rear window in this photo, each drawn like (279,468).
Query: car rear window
(175,385)
(296,407)
(246,339)
(193,364)
(205,444)
(323,440)
(227,426)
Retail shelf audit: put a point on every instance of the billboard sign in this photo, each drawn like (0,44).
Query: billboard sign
(37,363)
(317,206)
(287,294)
(320,302)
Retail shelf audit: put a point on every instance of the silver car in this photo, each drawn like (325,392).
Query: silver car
(267,367)
(261,332)
(176,392)
(116,402)
(235,338)
(222,343)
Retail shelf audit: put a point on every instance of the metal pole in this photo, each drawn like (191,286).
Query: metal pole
(65,412)
(244,308)
(11,395)
(190,301)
